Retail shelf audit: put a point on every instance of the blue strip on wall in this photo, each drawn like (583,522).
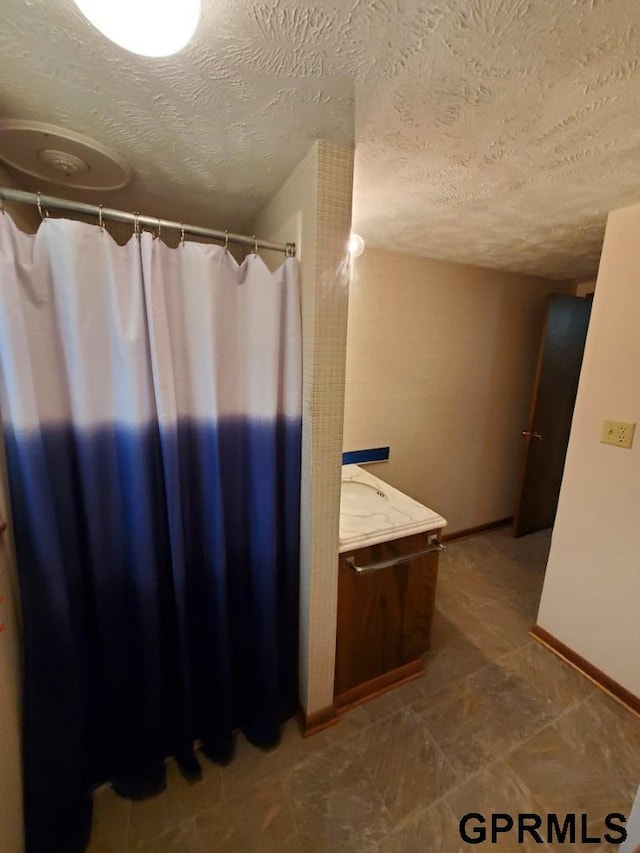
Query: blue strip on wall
(373,454)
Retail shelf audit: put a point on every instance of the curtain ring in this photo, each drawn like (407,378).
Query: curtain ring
(44,216)
(2,208)
(255,246)
(159,228)
(100,221)
(226,240)
(182,233)
(136,223)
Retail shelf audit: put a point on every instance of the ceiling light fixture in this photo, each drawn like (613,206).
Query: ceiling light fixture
(356,245)
(147,27)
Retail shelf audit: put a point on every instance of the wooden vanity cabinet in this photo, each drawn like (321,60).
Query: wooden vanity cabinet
(384,615)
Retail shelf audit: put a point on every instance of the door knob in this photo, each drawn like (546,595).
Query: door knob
(532,434)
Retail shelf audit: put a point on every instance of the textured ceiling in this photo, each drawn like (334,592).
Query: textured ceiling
(505,135)
(494,132)
(210,133)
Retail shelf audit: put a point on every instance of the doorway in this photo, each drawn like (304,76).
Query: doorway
(554,394)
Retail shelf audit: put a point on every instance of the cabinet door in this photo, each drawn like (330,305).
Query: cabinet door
(384,616)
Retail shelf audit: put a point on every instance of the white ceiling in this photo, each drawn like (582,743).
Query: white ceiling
(494,132)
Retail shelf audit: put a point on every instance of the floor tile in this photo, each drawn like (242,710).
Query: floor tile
(549,676)
(609,735)
(474,551)
(407,766)
(251,764)
(394,700)
(497,566)
(469,585)
(565,781)
(452,656)
(256,821)
(506,621)
(498,599)
(496,723)
(528,603)
(181,839)
(497,789)
(335,804)
(478,719)
(464,618)
(350,724)
(512,575)
(181,800)
(110,822)
(531,551)
(434,830)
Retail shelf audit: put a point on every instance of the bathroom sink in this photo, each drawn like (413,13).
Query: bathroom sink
(372,511)
(361,499)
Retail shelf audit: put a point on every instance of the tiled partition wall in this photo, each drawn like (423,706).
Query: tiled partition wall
(440,366)
(315,204)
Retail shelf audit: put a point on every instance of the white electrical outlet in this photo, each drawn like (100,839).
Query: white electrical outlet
(617,433)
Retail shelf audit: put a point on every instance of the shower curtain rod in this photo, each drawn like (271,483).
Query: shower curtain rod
(137,219)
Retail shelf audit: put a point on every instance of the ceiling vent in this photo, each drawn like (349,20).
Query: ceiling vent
(60,156)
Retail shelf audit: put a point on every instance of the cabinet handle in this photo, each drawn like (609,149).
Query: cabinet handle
(395,561)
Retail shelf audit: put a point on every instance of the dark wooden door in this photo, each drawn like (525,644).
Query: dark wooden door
(554,395)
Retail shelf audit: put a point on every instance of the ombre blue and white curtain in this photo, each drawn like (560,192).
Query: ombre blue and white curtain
(151,408)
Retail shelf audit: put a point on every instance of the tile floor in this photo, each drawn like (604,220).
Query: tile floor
(497,723)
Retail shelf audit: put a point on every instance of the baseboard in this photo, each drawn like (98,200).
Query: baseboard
(376,686)
(311,724)
(474,531)
(621,695)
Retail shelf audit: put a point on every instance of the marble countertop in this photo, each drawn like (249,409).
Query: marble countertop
(375,512)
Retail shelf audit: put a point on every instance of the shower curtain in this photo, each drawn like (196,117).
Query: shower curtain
(151,408)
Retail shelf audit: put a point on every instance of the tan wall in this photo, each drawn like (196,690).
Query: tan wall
(11,831)
(440,365)
(313,208)
(585,288)
(591,595)
(24,215)
(10,690)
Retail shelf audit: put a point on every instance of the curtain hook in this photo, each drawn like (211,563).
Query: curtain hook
(226,240)
(44,216)
(255,246)
(182,233)
(159,228)
(100,221)
(136,223)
